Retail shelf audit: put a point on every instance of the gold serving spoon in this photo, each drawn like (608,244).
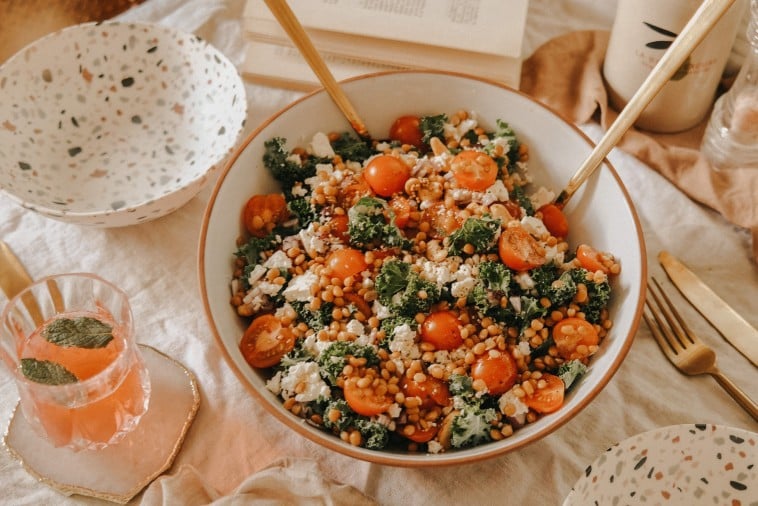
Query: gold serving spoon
(294,29)
(701,23)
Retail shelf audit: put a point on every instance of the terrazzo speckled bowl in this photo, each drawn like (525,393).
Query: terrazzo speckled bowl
(114,124)
(600,213)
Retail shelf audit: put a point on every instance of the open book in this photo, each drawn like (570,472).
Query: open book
(479,37)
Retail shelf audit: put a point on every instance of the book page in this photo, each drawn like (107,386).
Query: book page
(485,26)
(291,71)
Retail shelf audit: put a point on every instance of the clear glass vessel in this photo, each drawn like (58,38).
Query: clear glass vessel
(731,137)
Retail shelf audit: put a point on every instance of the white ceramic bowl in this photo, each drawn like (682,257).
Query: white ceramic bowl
(114,124)
(600,213)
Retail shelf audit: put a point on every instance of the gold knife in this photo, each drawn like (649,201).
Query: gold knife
(726,320)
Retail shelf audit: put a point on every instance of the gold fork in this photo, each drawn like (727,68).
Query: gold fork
(684,349)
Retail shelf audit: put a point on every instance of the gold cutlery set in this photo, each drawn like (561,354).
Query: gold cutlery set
(681,346)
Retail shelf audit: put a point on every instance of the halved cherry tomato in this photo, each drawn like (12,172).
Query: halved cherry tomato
(386,174)
(266,341)
(354,189)
(442,221)
(263,212)
(590,258)
(359,302)
(519,250)
(406,130)
(499,373)
(573,337)
(432,391)
(442,329)
(422,435)
(474,170)
(346,262)
(338,226)
(364,401)
(401,206)
(548,398)
(554,219)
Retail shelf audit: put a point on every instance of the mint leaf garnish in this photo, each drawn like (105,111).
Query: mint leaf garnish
(47,372)
(82,332)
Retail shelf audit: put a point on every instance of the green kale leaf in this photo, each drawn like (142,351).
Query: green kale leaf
(479,232)
(368,226)
(432,126)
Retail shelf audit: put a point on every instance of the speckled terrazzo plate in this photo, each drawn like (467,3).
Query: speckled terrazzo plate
(114,124)
(694,464)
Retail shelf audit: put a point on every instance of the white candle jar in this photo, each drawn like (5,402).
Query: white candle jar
(641,33)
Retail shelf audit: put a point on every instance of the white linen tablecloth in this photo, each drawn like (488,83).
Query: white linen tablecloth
(233,438)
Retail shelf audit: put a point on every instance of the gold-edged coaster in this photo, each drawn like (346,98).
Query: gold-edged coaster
(118,472)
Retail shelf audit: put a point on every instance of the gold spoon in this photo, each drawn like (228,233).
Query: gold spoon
(704,19)
(294,29)
(701,23)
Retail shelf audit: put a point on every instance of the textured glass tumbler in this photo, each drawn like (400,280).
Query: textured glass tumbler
(731,137)
(68,342)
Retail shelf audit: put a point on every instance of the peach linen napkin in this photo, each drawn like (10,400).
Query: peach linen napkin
(565,73)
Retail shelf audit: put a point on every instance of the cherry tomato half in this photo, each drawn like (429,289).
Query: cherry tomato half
(266,341)
(338,226)
(573,338)
(474,170)
(590,258)
(263,212)
(499,373)
(432,391)
(548,398)
(364,401)
(386,175)
(554,219)
(401,206)
(442,221)
(442,329)
(346,262)
(406,129)
(422,435)
(519,250)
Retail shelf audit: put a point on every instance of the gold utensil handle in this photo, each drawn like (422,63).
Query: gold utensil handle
(704,19)
(282,12)
(737,394)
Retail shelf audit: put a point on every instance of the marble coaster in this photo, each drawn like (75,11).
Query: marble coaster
(118,472)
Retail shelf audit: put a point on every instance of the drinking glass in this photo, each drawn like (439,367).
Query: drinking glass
(68,341)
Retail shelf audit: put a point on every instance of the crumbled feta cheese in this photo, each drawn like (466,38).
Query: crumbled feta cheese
(295,159)
(440,273)
(307,374)
(433,446)
(517,407)
(312,243)
(380,310)
(524,280)
(524,348)
(314,345)
(497,191)
(461,195)
(299,191)
(394,410)
(534,226)
(541,197)
(278,260)
(320,146)
(256,274)
(274,384)
(404,342)
(299,287)
(462,288)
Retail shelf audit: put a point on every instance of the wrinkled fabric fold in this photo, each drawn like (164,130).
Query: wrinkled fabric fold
(565,73)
